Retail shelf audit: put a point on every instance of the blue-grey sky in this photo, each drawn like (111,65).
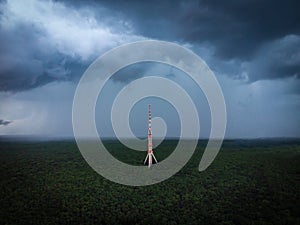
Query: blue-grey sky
(252,46)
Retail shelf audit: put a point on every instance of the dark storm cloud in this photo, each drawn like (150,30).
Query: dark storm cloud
(4,122)
(49,41)
(131,72)
(240,27)
(234,29)
(26,64)
(277,59)
(138,70)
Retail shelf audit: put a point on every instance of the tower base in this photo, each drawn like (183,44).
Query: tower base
(149,159)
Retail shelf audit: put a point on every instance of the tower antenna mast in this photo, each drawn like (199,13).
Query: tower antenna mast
(150,154)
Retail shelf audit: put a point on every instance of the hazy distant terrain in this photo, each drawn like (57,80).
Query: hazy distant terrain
(250,182)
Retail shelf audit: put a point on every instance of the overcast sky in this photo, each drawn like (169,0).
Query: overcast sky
(252,46)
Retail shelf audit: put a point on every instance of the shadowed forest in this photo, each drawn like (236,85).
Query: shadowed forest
(250,182)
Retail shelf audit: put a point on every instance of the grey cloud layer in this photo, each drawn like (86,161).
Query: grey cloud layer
(4,122)
(236,28)
(262,37)
(45,41)
(25,63)
(264,34)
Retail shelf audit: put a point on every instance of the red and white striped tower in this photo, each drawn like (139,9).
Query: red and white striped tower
(150,150)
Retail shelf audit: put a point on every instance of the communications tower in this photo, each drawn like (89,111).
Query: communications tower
(150,150)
